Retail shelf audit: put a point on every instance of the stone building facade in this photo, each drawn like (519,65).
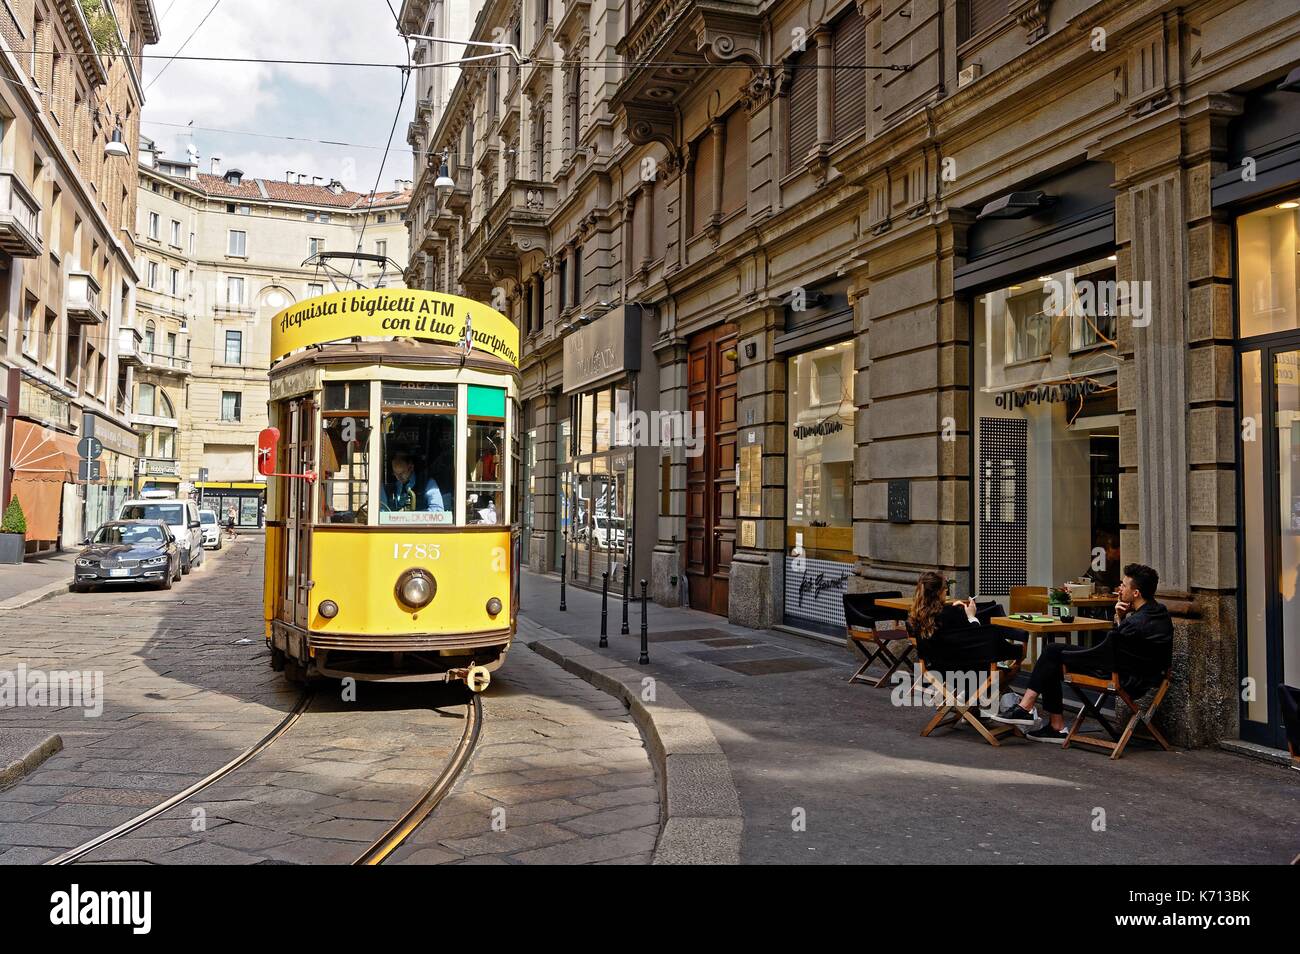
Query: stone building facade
(220,254)
(992,288)
(70,104)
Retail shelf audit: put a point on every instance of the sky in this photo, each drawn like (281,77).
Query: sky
(343,104)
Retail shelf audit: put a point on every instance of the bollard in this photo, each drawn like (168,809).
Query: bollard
(625,631)
(564,571)
(604,609)
(645,633)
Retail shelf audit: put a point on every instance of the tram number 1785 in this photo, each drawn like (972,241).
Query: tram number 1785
(417,551)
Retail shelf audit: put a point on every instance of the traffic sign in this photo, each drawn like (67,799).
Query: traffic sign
(88,470)
(89,448)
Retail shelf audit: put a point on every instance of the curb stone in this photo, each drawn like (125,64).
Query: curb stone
(702,820)
(35,596)
(16,768)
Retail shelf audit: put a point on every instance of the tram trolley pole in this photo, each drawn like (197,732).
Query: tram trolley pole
(645,632)
(564,568)
(604,610)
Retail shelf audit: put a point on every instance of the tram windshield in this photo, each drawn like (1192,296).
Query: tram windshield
(418,454)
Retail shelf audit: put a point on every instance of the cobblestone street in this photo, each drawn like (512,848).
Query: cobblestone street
(560,772)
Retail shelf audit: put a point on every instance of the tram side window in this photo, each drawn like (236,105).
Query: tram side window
(485,467)
(345,452)
(345,468)
(418,437)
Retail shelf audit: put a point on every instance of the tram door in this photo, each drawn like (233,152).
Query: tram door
(299,457)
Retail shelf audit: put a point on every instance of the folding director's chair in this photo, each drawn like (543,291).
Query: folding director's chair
(860,618)
(953,710)
(1107,688)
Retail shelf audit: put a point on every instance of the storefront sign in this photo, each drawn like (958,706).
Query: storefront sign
(113,436)
(814,590)
(1067,391)
(824,428)
(394,313)
(415,394)
(748,533)
(604,349)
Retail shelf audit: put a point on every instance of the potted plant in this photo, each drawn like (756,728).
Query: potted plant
(1058,603)
(13,533)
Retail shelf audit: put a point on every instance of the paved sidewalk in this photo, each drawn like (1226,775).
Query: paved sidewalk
(807,750)
(31,576)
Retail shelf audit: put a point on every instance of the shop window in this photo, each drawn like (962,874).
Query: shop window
(484,456)
(1046,430)
(1266,255)
(345,453)
(417,453)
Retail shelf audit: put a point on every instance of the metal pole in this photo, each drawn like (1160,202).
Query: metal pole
(564,568)
(626,599)
(604,609)
(645,633)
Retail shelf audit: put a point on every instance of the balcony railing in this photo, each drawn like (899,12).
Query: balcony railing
(157,361)
(83,299)
(20,218)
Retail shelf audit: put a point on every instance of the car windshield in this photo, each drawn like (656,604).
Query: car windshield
(129,534)
(207,517)
(169,513)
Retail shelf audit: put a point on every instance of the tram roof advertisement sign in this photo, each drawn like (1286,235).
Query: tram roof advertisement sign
(394,313)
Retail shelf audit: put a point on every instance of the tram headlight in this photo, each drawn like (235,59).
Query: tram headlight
(493,606)
(416,588)
(328,609)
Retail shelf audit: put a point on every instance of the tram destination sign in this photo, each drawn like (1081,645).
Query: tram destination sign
(394,313)
(415,394)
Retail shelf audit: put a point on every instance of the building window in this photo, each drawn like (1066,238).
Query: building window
(1046,432)
(176,233)
(230,406)
(234,347)
(562,284)
(152,277)
(381,218)
(976,16)
(149,333)
(176,282)
(314,289)
(577,274)
(702,182)
(237,243)
(237,209)
(153,225)
(234,290)
(848,78)
(147,400)
(735,168)
(315,246)
(801,108)
(381,248)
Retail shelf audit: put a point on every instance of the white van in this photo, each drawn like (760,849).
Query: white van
(181,517)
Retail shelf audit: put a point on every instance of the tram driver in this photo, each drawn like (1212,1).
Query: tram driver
(403,490)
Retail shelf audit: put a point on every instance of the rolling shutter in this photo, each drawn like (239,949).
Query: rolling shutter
(849,49)
(736,167)
(982,14)
(702,183)
(801,109)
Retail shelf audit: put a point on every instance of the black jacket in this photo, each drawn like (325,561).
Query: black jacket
(1143,642)
(959,644)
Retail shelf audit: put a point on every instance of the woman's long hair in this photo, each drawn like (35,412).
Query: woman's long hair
(927,604)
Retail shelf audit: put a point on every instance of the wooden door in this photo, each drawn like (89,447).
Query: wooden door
(711,475)
(297,455)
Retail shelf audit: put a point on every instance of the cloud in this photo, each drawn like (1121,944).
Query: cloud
(342,104)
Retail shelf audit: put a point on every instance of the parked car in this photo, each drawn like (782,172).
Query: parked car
(128,551)
(181,517)
(211,529)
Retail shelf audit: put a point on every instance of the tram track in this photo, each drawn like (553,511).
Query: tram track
(378,851)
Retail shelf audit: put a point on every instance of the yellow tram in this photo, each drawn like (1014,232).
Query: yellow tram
(392,541)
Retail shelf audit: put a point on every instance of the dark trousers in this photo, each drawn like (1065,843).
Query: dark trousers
(1046,677)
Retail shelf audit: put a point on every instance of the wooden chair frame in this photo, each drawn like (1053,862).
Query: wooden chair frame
(1109,687)
(953,711)
(878,641)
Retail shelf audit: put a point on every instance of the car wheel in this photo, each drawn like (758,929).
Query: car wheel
(176,574)
(80,588)
(166,583)
(185,566)
(218,546)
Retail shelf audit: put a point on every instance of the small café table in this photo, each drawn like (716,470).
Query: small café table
(1041,627)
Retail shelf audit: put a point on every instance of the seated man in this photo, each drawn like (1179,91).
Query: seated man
(404,491)
(1140,648)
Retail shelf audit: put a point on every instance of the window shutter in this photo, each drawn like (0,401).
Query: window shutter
(801,109)
(735,169)
(982,14)
(702,183)
(849,49)
(659,224)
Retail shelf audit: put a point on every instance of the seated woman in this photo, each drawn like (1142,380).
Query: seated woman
(950,636)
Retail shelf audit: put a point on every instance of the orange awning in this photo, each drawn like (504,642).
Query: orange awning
(42,503)
(40,453)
